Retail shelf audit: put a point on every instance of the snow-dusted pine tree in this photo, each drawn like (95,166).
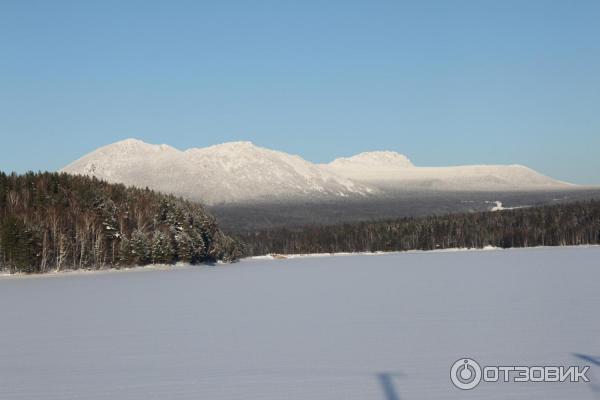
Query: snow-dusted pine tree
(162,252)
(125,253)
(140,250)
(198,246)
(184,247)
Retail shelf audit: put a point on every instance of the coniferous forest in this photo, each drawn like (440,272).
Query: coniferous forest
(557,225)
(52,221)
(55,221)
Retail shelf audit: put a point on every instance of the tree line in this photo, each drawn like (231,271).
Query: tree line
(557,225)
(53,221)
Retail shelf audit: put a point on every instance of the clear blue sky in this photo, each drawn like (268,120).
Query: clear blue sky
(446,83)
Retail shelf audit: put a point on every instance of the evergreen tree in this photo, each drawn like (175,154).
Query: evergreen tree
(184,247)
(125,253)
(199,249)
(21,250)
(140,250)
(162,252)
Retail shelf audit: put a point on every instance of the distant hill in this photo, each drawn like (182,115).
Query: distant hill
(388,170)
(568,224)
(52,221)
(235,218)
(241,172)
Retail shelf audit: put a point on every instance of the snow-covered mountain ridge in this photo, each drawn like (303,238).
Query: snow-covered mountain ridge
(242,172)
(224,173)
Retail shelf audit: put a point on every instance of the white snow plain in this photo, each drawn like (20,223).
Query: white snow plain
(356,327)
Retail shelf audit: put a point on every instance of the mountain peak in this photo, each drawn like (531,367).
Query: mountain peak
(130,141)
(241,145)
(379,159)
(227,172)
(227,147)
(241,172)
(132,144)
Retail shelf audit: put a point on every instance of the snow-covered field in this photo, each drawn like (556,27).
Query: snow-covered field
(354,327)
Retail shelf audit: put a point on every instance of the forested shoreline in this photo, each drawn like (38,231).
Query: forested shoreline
(557,225)
(55,221)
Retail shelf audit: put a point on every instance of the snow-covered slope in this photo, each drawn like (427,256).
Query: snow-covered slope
(230,172)
(242,172)
(389,169)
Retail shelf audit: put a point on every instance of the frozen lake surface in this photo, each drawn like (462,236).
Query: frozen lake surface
(383,327)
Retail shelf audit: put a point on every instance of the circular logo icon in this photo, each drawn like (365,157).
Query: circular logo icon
(465,373)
